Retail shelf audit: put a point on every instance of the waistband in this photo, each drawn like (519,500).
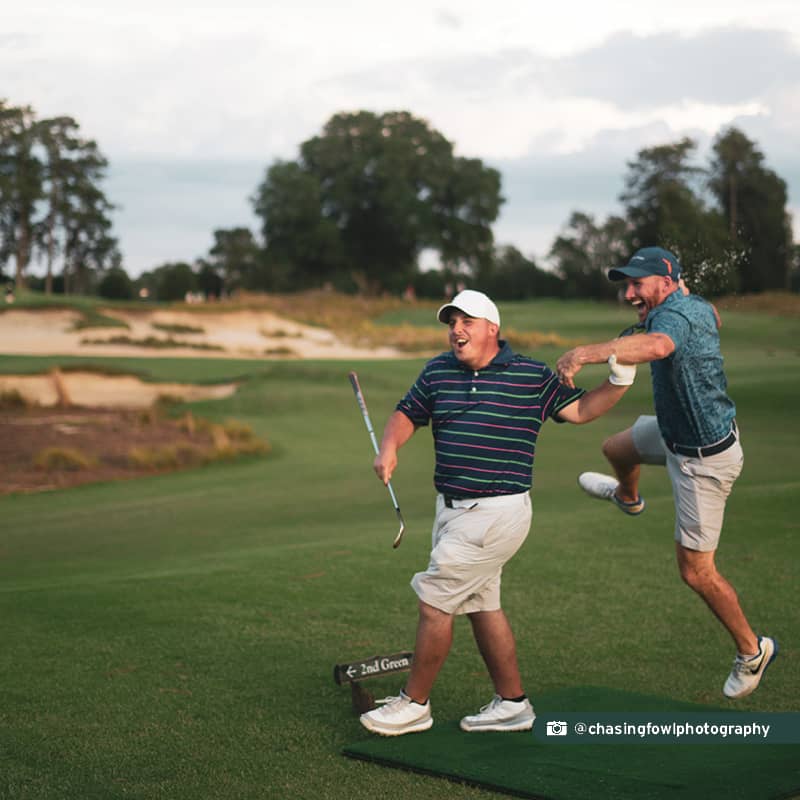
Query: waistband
(450,500)
(709,450)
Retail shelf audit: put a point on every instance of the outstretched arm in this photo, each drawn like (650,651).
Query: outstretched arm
(399,429)
(628,350)
(599,400)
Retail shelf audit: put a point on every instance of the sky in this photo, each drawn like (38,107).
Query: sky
(192,104)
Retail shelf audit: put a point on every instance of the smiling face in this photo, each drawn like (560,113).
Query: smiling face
(645,294)
(473,341)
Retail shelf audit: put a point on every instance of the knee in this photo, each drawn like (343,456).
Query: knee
(620,449)
(697,577)
(613,448)
(430,613)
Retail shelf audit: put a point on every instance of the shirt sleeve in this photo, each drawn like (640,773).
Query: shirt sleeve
(557,396)
(672,324)
(417,404)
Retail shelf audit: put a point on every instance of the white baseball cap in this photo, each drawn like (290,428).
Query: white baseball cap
(473,304)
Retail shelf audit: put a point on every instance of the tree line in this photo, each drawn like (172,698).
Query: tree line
(52,205)
(372,194)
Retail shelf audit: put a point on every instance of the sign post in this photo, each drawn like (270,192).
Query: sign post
(356,671)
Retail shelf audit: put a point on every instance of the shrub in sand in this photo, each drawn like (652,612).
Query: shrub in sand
(57,459)
(12,400)
(166,457)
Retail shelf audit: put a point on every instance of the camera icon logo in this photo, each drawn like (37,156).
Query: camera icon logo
(555,728)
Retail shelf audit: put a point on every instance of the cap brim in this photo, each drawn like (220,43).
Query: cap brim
(620,273)
(443,313)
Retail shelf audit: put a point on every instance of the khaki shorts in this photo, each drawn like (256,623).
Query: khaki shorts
(470,544)
(700,486)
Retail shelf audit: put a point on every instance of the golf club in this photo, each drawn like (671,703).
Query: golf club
(362,404)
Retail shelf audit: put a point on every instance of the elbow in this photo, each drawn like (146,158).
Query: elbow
(663,346)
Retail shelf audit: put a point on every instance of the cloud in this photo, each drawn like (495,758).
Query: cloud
(724,66)
(558,107)
(446,19)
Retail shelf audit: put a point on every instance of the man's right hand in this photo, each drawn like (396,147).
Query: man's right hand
(384,465)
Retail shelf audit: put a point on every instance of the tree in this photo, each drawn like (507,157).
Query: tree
(50,196)
(584,252)
(20,185)
(236,256)
(170,282)
(296,231)
(514,277)
(115,285)
(664,207)
(73,171)
(209,280)
(753,202)
(88,243)
(368,195)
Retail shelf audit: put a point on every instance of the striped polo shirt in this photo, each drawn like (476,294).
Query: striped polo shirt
(485,422)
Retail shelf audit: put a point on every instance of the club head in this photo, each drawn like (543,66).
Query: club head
(399,536)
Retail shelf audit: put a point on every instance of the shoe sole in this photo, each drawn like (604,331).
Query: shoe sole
(762,672)
(416,727)
(596,476)
(632,510)
(508,727)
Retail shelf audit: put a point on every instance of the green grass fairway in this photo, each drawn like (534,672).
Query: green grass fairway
(174,637)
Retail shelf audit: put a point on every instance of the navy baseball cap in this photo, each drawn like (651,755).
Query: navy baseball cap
(648,261)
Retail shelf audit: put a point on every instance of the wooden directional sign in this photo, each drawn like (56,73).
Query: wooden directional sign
(372,667)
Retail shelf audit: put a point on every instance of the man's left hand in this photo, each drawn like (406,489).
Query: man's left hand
(567,367)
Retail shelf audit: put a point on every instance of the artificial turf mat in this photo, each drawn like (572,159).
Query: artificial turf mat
(520,765)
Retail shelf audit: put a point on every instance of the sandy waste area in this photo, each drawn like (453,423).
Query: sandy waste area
(234,334)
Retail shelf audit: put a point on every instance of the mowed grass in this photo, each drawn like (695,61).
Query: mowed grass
(175,637)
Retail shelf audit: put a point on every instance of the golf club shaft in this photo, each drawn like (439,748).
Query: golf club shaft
(362,404)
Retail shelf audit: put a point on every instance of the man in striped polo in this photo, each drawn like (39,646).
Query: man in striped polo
(486,405)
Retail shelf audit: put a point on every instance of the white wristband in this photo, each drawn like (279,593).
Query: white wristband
(620,374)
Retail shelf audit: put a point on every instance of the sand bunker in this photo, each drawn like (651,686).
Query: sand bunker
(90,389)
(185,334)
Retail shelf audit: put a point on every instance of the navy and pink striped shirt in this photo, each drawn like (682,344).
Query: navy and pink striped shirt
(485,423)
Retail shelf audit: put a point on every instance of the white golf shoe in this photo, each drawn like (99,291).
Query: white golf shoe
(398,715)
(604,487)
(747,673)
(501,715)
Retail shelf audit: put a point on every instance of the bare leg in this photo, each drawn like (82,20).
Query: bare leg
(625,460)
(496,643)
(434,637)
(700,573)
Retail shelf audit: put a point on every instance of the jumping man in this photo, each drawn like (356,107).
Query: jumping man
(694,434)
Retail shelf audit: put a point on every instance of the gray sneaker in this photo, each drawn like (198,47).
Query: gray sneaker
(501,715)
(604,487)
(398,715)
(746,674)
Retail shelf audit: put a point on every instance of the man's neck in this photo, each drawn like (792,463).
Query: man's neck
(485,361)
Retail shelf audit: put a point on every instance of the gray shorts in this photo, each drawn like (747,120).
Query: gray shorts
(700,486)
(471,542)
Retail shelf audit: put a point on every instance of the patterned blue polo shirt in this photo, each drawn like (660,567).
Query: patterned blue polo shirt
(689,386)
(485,423)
